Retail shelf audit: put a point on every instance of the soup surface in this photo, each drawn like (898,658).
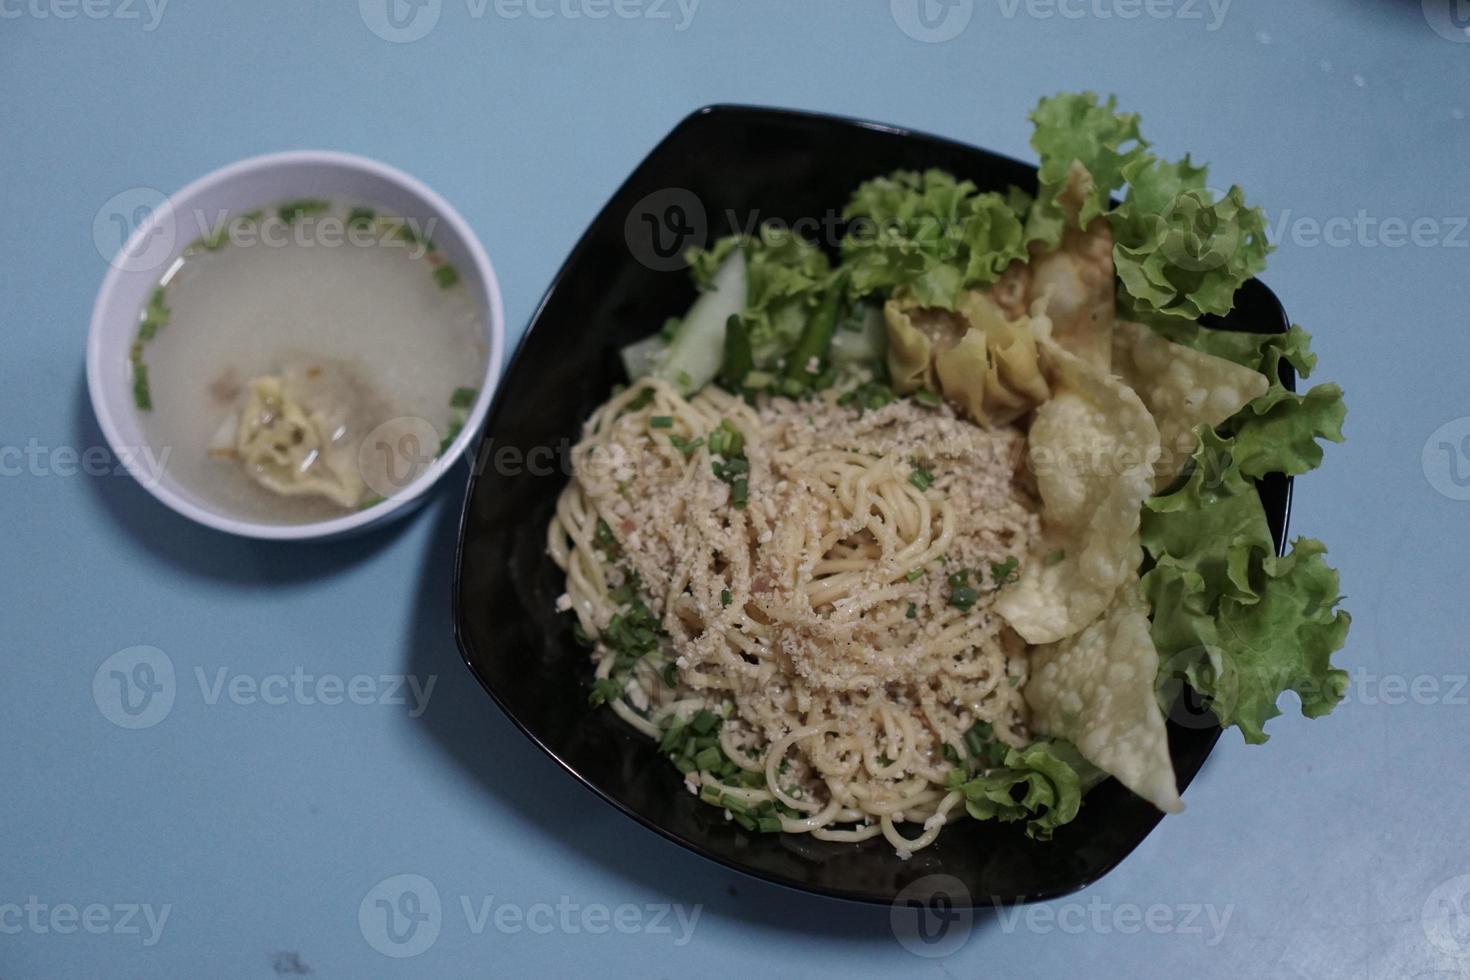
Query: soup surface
(356,317)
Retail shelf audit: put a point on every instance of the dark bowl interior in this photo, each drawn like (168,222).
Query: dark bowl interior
(722,169)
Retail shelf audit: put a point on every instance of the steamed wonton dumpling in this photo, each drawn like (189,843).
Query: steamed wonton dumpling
(1077,280)
(295,434)
(973,355)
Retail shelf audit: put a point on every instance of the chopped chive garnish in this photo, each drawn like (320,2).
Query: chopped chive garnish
(913,612)
(455,428)
(661,422)
(870,395)
(1005,572)
(605,689)
(670,674)
(962,597)
(959,578)
(361,217)
(914,574)
(1055,556)
(921,478)
(293,210)
(926,397)
(704,722)
(726,598)
(739,493)
(684,445)
(370,502)
(579,634)
(446,275)
(463,397)
(602,536)
(142,394)
(641,400)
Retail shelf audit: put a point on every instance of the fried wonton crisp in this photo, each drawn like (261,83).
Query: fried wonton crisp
(1096,689)
(1092,448)
(1183,388)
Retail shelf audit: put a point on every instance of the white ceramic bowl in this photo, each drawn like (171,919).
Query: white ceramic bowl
(233,190)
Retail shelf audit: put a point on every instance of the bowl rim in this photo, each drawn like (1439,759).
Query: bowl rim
(107,412)
(974,902)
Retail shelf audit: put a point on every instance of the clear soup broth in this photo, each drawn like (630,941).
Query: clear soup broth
(306,360)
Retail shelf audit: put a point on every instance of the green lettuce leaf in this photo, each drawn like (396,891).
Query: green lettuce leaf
(1186,255)
(1179,249)
(785,278)
(1041,784)
(931,234)
(1279,432)
(1078,128)
(1240,624)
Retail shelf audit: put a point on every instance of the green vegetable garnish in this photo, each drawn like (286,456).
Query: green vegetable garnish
(446,275)
(602,536)
(914,574)
(921,478)
(361,218)
(1005,572)
(463,397)
(725,597)
(929,233)
(661,422)
(739,362)
(292,210)
(809,356)
(963,597)
(685,446)
(1041,784)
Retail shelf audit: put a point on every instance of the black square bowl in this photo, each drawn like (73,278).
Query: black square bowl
(724,169)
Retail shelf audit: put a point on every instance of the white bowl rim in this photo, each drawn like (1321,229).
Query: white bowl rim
(398,504)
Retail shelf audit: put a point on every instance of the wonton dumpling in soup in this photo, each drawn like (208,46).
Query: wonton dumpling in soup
(298,432)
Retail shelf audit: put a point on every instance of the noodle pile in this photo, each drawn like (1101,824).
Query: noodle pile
(815,609)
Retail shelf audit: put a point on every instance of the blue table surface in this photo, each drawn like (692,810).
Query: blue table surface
(239,838)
